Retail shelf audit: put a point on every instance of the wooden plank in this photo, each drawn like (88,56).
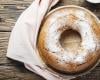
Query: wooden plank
(5,28)
(16,73)
(10,11)
(15,1)
(3,44)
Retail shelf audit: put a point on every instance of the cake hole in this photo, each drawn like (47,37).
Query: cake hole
(70,40)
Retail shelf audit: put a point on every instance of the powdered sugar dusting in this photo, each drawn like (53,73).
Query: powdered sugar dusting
(81,25)
(87,36)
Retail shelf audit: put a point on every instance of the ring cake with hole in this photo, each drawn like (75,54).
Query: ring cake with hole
(69,40)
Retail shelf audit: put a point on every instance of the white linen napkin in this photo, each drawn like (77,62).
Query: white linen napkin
(22,42)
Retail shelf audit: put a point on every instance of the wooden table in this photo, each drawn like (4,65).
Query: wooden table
(9,13)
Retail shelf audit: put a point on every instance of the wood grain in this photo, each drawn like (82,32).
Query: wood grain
(9,13)
(17,73)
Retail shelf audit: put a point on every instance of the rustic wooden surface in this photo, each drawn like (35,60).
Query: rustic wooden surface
(9,13)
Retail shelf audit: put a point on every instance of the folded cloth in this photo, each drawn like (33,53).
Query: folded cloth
(22,42)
